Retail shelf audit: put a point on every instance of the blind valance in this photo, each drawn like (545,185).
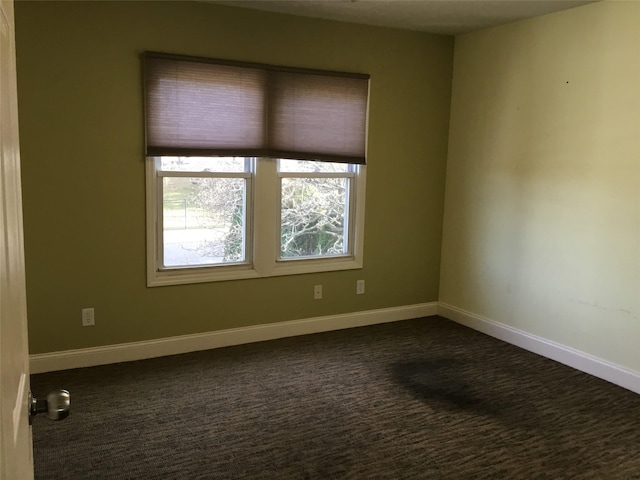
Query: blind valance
(201,106)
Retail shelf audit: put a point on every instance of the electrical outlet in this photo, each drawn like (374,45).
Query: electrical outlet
(317,292)
(88,317)
(360,287)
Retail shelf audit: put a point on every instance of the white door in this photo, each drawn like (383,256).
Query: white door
(16,457)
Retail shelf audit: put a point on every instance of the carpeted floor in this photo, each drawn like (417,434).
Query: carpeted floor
(419,399)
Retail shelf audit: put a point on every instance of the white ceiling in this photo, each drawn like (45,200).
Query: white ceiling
(448,17)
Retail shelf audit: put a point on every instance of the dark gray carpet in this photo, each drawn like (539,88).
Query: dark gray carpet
(420,399)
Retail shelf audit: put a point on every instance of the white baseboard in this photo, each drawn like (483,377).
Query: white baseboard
(577,359)
(124,352)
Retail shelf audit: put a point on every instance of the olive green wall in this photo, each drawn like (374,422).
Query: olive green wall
(81,130)
(542,216)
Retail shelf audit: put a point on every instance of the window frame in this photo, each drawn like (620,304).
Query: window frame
(350,199)
(246,175)
(263,230)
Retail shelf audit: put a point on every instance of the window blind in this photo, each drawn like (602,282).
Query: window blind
(200,106)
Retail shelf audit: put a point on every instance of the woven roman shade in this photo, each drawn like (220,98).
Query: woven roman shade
(199,106)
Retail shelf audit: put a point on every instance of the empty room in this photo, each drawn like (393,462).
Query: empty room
(322,240)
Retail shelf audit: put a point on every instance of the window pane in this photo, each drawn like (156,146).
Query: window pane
(204,221)
(306,166)
(204,164)
(313,213)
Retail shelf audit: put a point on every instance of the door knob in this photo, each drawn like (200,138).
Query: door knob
(56,405)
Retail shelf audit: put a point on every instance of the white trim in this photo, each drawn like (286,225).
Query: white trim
(87,357)
(577,359)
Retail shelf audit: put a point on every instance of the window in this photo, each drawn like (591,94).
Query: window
(315,209)
(204,204)
(252,170)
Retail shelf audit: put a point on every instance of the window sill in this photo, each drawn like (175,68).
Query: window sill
(220,274)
